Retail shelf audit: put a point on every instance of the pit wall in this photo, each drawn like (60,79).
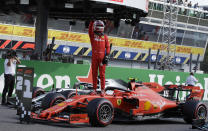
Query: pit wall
(61,75)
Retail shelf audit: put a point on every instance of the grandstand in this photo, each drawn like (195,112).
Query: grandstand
(131,42)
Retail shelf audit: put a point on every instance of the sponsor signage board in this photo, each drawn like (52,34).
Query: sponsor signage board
(84,38)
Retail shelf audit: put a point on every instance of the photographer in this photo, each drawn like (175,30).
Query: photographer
(9,74)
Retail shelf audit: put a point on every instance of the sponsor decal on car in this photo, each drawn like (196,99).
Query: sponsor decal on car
(119,102)
(62,104)
(69,100)
(160,103)
(155,106)
(147,106)
(79,118)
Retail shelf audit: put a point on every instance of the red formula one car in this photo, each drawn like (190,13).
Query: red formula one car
(138,101)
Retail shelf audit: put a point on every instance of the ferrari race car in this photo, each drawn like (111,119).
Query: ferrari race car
(138,101)
(43,100)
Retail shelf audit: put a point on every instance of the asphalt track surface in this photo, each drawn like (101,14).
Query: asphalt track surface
(9,122)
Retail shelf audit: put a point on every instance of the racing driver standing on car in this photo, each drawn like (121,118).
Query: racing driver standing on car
(100,51)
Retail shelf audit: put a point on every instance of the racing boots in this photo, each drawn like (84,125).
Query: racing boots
(102,93)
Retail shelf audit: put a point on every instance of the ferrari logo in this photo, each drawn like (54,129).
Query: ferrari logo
(118,102)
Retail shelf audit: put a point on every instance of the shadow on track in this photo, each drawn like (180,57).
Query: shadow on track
(59,124)
(150,122)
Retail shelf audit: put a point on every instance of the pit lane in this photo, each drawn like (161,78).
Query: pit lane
(9,122)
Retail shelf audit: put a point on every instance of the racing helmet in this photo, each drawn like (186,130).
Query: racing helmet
(99,26)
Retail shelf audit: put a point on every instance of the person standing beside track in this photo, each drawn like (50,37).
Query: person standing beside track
(100,51)
(9,75)
(190,80)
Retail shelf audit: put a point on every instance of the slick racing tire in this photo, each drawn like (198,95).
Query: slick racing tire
(194,109)
(37,91)
(52,99)
(68,94)
(100,112)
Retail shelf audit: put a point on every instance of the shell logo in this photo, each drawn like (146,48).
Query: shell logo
(147,106)
(155,106)
(61,104)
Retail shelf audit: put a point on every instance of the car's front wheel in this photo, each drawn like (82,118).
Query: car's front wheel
(100,112)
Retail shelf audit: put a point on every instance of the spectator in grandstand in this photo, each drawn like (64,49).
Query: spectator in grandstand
(190,80)
(190,4)
(185,3)
(100,51)
(27,18)
(25,56)
(136,32)
(180,2)
(196,5)
(155,30)
(34,56)
(145,36)
(9,75)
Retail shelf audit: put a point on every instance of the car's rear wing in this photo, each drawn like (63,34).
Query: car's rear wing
(195,92)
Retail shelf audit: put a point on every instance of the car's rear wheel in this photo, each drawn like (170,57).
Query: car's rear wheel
(100,112)
(37,91)
(194,109)
(52,99)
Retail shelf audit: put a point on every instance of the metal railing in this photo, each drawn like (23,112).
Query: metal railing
(183,10)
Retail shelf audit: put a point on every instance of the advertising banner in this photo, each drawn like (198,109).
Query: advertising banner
(84,38)
(61,75)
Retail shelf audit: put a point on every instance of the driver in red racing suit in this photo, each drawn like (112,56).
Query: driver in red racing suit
(100,51)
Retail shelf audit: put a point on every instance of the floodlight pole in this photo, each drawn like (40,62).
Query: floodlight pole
(169,31)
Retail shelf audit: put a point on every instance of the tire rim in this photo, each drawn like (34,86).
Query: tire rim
(57,101)
(201,112)
(105,113)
